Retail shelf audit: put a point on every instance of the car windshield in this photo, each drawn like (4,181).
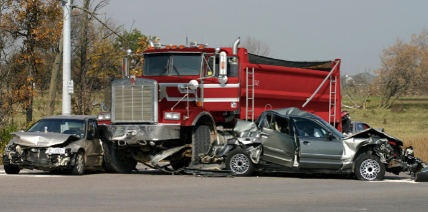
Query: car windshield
(64,126)
(172,64)
(334,130)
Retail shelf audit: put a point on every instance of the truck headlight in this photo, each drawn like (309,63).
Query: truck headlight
(172,116)
(104,116)
(55,151)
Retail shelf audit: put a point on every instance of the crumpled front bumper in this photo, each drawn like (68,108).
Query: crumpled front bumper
(37,160)
(421,176)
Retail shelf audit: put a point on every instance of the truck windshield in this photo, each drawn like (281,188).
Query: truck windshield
(172,64)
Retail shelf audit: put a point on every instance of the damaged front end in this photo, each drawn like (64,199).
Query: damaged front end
(391,154)
(244,136)
(47,152)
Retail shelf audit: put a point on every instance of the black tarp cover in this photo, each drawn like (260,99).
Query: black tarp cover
(316,65)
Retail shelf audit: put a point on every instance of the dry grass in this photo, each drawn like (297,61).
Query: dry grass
(419,146)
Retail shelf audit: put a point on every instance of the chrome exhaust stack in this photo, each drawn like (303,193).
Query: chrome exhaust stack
(151,43)
(235,46)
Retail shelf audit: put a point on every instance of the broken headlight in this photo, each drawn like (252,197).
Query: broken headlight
(55,151)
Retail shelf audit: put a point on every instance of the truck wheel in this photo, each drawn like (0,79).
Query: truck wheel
(369,167)
(114,161)
(239,162)
(201,141)
(9,169)
(79,166)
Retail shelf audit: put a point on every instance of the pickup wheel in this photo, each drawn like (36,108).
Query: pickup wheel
(79,166)
(239,162)
(114,161)
(201,141)
(9,169)
(369,168)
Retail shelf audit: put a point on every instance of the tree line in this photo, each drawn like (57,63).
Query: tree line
(31,54)
(403,72)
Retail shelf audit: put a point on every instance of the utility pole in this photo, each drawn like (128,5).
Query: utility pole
(67,83)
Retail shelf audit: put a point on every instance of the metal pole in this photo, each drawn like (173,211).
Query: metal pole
(66,66)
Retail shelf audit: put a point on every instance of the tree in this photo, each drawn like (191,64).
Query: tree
(256,46)
(397,73)
(129,40)
(421,81)
(29,21)
(357,89)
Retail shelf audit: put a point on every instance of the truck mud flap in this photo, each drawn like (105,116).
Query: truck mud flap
(209,172)
(421,176)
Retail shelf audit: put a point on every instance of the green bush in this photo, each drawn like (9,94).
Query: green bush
(5,138)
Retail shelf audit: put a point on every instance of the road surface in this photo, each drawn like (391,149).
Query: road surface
(152,190)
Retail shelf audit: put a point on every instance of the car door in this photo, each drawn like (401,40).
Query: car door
(94,152)
(317,150)
(278,146)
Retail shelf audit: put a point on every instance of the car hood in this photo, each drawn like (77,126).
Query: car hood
(371,132)
(40,139)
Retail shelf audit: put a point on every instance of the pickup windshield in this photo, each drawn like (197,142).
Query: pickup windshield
(64,126)
(172,64)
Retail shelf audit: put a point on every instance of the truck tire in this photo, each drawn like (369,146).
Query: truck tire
(369,168)
(114,162)
(239,162)
(201,141)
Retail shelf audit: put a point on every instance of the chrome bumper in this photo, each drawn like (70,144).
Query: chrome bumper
(135,134)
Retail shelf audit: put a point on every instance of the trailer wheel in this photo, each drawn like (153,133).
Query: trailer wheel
(239,162)
(369,167)
(201,141)
(114,161)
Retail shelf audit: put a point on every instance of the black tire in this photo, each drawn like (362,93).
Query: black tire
(114,162)
(10,169)
(201,141)
(239,162)
(369,168)
(79,164)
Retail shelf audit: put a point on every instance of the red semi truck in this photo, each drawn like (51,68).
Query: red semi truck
(172,112)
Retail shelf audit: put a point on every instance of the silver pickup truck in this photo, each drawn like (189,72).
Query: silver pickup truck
(294,141)
(56,143)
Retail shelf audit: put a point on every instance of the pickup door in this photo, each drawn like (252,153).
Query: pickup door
(278,146)
(316,149)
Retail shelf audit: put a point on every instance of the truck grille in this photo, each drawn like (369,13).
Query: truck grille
(135,103)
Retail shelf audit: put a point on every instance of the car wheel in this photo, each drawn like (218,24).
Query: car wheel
(114,161)
(239,162)
(369,168)
(201,141)
(9,169)
(79,165)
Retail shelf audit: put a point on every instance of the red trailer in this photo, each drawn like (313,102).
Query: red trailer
(185,94)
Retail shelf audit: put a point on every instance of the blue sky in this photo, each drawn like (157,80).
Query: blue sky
(304,30)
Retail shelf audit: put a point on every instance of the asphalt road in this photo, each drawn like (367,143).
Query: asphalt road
(151,190)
